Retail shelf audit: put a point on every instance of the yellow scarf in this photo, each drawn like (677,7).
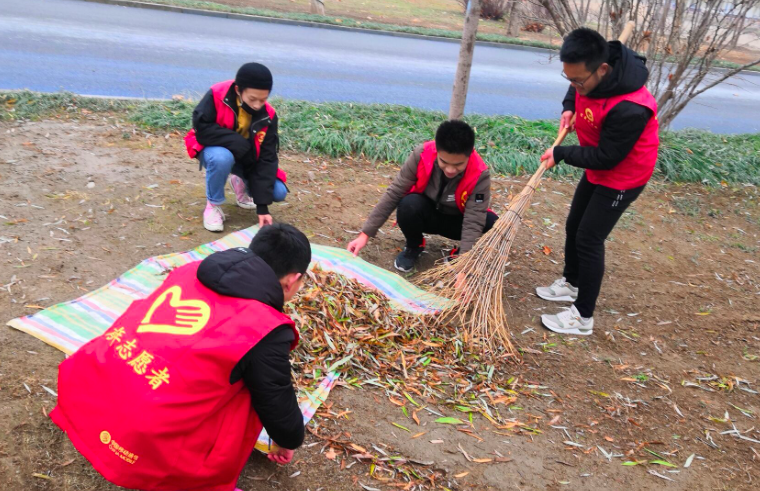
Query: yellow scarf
(243,121)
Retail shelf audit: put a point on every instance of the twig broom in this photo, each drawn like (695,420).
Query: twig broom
(475,281)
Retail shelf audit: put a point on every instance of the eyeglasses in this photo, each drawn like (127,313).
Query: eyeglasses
(579,84)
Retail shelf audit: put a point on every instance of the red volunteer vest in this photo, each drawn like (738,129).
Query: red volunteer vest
(637,167)
(149,403)
(225,117)
(475,167)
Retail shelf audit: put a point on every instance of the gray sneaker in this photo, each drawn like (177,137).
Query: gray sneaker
(568,322)
(559,291)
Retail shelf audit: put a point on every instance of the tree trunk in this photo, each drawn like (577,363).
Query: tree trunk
(556,19)
(318,7)
(654,40)
(513,26)
(584,12)
(735,42)
(464,64)
(621,10)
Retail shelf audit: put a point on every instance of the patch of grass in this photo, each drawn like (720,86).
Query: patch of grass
(386,133)
(350,22)
(629,218)
(731,64)
(688,205)
(744,247)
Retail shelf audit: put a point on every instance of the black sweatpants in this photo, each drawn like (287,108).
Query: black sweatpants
(416,214)
(593,214)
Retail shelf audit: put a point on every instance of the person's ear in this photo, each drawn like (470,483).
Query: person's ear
(290,282)
(294,279)
(604,69)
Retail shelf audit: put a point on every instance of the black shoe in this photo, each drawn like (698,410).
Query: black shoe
(406,258)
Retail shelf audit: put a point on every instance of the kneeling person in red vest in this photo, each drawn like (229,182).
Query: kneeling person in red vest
(616,123)
(443,188)
(235,136)
(174,395)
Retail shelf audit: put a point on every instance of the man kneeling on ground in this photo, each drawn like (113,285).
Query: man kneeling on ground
(235,136)
(443,188)
(174,395)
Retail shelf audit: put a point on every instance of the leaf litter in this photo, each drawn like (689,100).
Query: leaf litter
(356,331)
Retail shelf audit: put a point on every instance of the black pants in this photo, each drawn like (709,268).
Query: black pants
(416,214)
(593,214)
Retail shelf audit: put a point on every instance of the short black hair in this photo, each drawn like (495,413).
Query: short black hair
(455,137)
(283,247)
(586,46)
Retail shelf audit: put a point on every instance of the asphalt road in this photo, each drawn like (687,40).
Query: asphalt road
(87,48)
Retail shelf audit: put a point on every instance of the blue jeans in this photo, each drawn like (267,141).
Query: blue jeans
(220,163)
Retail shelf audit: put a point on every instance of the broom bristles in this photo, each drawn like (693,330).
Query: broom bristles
(483,268)
(479,305)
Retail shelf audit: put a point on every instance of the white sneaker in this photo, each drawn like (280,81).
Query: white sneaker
(568,322)
(559,291)
(213,218)
(241,195)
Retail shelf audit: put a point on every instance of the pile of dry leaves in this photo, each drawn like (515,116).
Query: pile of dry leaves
(347,327)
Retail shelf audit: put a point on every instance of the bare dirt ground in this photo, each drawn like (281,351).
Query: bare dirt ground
(672,364)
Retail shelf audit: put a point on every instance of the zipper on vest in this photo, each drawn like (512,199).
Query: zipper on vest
(257,122)
(441,188)
(233,112)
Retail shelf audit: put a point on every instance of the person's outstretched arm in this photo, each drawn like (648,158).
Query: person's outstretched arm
(265,370)
(402,183)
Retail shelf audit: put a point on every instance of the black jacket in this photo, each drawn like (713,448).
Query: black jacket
(265,369)
(624,123)
(260,175)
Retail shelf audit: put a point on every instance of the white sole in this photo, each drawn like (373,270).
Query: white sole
(246,207)
(566,298)
(402,270)
(214,229)
(576,331)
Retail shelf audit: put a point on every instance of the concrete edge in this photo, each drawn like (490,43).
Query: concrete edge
(89,96)
(303,23)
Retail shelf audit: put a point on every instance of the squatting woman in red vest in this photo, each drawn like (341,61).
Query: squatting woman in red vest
(443,188)
(235,136)
(616,123)
(174,395)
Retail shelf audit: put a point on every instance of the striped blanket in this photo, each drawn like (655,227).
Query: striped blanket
(69,325)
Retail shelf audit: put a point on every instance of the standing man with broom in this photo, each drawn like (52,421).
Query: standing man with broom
(616,122)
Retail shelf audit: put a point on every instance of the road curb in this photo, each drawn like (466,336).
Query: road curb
(303,23)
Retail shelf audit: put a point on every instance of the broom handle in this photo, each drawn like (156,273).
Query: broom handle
(627,31)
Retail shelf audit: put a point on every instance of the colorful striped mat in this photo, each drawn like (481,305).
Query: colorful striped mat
(69,325)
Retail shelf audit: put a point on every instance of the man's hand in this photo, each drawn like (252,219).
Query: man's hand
(358,244)
(461,282)
(566,121)
(265,220)
(548,158)
(281,456)
(463,292)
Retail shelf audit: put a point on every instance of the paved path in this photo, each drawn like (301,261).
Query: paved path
(87,48)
